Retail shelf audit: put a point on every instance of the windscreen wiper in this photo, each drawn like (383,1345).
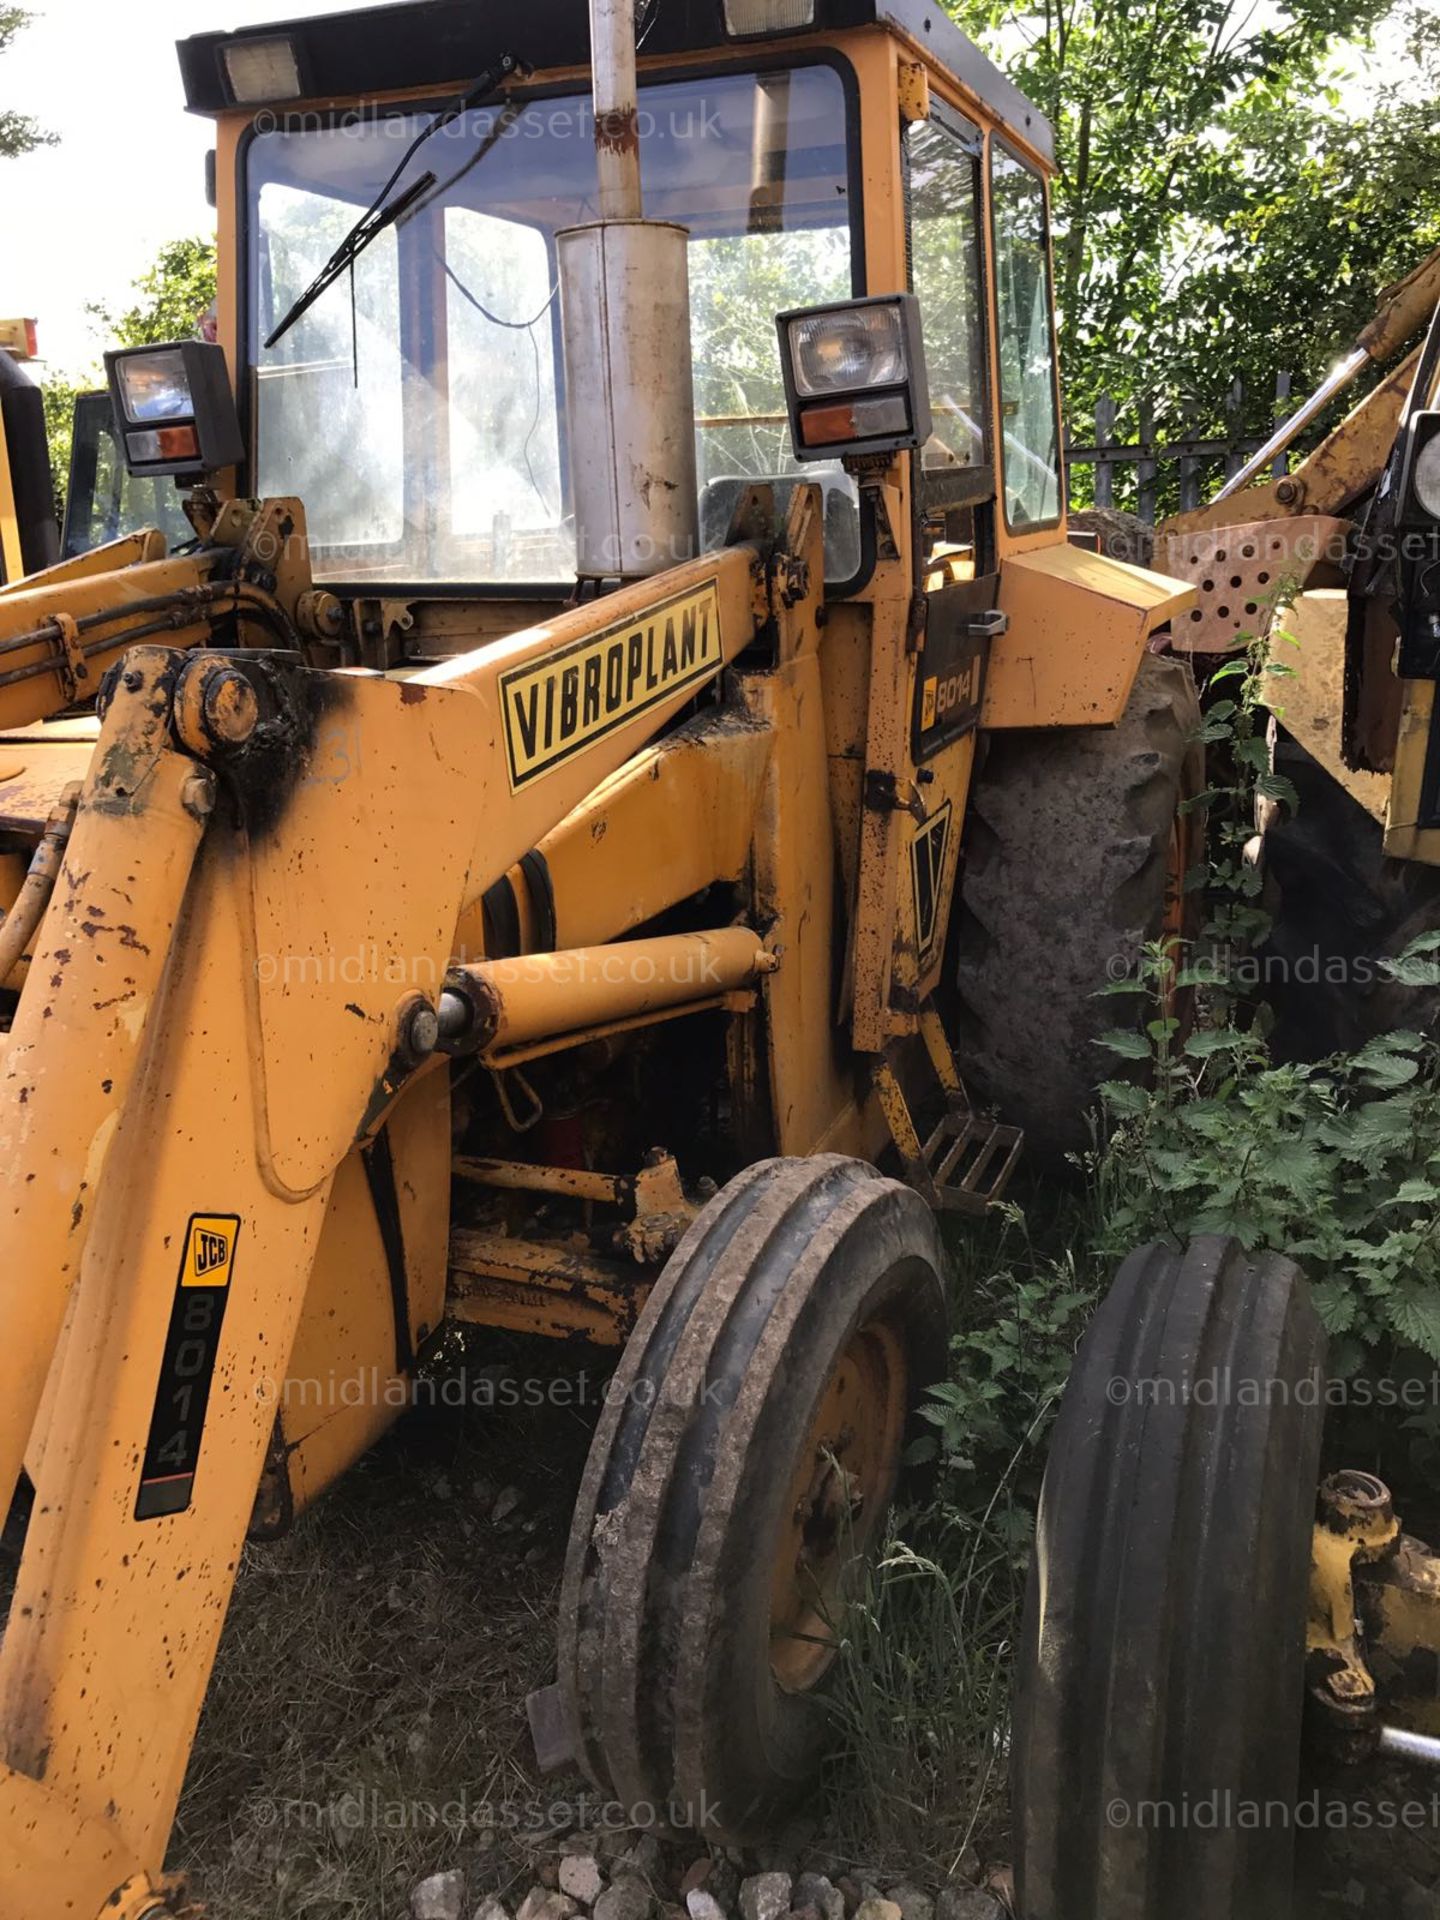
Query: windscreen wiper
(384,212)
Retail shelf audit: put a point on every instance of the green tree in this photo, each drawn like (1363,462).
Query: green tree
(1217,209)
(169,300)
(18,132)
(59,396)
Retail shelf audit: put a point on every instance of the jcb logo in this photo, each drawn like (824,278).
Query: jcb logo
(928,851)
(209,1250)
(212,1250)
(943,697)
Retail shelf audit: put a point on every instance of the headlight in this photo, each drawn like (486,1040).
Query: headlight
(855,378)
(1420,474)
(260,70)
(174,411)
(747,19)
(153,386)
(854,347)
(1426,481)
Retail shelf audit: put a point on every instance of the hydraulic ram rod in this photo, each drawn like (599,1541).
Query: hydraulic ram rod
(495,1005)
(1402,312)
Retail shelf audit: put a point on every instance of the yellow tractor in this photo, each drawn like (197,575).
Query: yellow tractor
(626,764)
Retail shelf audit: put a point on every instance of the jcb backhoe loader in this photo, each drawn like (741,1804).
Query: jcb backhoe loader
(628,753)
(1334,560)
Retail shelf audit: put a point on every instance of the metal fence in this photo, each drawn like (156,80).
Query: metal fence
(1200,462)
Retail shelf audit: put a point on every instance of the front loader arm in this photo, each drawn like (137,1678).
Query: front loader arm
(62,628)
(187,1070)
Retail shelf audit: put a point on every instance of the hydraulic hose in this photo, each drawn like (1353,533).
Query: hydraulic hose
(19,925)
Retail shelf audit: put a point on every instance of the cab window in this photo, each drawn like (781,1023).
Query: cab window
(944,195)
(1029,409)
(104,500)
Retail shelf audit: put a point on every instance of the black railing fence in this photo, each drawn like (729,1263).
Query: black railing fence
(1151,477)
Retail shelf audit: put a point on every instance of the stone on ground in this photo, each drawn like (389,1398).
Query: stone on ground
(581,1878)
(815,1890)
(441,1897)
(627,1899)
(968,1903)
(766,1896)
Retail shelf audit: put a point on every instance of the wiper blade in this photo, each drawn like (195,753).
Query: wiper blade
(350,249)
(382,211)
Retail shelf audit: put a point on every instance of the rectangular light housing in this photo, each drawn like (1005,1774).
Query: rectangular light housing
(17,338)
(751,19)
(855,380)
(174,411)
(1420,473)
(259,70)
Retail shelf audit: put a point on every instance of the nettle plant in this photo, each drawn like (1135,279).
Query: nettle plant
(1335,1162)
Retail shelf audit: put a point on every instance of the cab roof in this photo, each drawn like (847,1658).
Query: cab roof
(420,44)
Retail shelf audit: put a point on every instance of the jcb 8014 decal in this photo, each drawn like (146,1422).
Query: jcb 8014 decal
(187,1370)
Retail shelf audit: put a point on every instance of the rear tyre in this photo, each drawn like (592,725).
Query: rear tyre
(1162,1658)
(1339,909)
(1077,848)
(738,1477)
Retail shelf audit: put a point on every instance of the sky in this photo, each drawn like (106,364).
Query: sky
(79,221)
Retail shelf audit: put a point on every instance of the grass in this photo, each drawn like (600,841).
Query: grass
(923,1686)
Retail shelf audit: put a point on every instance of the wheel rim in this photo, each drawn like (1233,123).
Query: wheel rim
(838,1492)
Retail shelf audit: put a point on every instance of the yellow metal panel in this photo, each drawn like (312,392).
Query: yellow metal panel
(78,1034)
(342,1387)
(1309,701)
(812,1086)
(120,1599)
(133,549)
(341,935)
(115,1620)
(508,823)
(1405,839)
(14,565)
(689,802)
(1238,570)
(57,1865)
(1078,626)
(34,775)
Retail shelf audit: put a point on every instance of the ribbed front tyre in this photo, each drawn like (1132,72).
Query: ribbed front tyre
(1156,1740)
(738,1479)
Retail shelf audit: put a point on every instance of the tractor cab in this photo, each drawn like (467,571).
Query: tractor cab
(419,402)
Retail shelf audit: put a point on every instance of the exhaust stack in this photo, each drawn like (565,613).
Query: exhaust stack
(625,327)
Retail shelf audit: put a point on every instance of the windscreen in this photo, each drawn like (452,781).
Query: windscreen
(418,407)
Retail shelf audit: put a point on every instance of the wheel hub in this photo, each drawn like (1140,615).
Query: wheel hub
(840,1486)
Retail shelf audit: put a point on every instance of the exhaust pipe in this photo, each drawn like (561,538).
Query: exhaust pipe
(625,331)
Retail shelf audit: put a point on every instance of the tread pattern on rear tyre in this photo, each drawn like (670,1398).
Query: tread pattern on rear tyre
(1162,1657)
(1067,855)
(657,1576)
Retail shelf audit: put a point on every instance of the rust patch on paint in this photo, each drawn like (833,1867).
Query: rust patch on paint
(618,131)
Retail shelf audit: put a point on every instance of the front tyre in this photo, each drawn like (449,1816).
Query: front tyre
(738,1478)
